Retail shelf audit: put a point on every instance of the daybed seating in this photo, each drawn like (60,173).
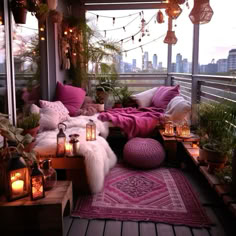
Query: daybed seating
(99,157)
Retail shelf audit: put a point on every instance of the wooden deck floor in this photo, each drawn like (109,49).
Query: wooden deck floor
(223,222)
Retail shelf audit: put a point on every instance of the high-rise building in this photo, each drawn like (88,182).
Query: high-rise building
(154,61)
(222,65)
(185,66)
(232,60)
(179,65)
(134,64)
(145,60)
(118,60)
(173,67)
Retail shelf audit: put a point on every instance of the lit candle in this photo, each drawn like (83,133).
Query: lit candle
(17,187)
(68,149)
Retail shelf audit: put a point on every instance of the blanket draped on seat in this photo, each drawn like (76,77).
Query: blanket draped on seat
(99,157)
(135,122)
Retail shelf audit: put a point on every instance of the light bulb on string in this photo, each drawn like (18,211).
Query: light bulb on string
(105,33)
(121,41)
(41,28)
(132,39)
(140,40)
(113,20)
(97,17)
(124,28)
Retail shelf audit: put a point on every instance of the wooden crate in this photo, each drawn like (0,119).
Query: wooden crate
(42,217)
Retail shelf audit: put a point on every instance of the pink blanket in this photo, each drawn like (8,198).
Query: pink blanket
(134,122)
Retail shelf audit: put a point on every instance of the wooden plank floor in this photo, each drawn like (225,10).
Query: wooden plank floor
(214,209)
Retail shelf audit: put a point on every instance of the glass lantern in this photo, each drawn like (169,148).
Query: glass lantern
(90,131)
(50,174)
(37,190)
(17,178)
(185,132)
(61,140)
(169,128)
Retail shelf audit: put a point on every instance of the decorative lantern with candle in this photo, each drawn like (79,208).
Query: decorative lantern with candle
(17,178)
(37,183)
(90,131)
(185,131)
(169,128)
(61,140)
(74,141)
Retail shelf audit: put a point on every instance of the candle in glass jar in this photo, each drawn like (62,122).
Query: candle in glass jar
(69,149)
(17,187)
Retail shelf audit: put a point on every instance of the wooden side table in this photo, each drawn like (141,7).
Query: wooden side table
(42,217)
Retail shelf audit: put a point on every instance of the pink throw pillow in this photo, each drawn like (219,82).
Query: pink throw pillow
(72,97)
(57,107)
(163,96)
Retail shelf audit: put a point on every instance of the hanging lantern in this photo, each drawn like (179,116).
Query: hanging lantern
(61,140)
(201,12)
(37,190)
(143,25)
(173,10)
(170,37)
(160,17)
(17,178)
(169,128)
(90,131)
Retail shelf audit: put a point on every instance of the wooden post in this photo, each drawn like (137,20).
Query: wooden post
(195,86)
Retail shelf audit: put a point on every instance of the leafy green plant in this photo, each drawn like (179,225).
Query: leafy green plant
(29,122)
(217,126)
(14,135)
(122,95)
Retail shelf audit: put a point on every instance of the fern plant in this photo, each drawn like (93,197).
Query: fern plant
(29,122)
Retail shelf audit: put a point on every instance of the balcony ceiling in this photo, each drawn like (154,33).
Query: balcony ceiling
(94,5)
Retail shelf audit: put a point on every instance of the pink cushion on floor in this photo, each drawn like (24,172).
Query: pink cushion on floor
(143,153)
(163,96)
(72,97)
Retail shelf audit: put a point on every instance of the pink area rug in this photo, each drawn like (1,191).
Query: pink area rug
(160,195)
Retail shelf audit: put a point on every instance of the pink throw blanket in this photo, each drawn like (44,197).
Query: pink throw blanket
(134,122)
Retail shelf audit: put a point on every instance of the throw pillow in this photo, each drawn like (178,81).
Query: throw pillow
(144,99)
(34,108)
(49,119)
(163,95)
(72,97)
(58,109)
(178,110)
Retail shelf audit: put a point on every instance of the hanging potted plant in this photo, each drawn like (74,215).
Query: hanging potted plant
(19,11)
(52,4)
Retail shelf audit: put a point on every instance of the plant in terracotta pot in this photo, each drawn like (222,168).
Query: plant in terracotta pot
(30,124)
(217,132)
(122,96)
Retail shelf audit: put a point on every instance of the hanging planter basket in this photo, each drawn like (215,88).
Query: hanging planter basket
(52,4)
(19,13)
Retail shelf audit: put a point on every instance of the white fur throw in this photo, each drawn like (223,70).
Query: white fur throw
(99,158)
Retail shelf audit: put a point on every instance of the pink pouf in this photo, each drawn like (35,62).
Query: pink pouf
(143,153)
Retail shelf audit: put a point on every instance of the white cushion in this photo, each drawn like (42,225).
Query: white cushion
(144,99)
(49,119)
(34,109)
(178,110)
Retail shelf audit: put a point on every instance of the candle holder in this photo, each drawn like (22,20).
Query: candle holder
(90,131)
(61,140)
(169,129)
(185,130)
(17,178)
(74,141)
(69,151)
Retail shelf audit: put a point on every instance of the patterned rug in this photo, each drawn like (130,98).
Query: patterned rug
(160,195)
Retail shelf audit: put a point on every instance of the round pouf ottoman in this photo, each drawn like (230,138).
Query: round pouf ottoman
(143,153)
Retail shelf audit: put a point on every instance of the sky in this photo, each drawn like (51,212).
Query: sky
(216,38)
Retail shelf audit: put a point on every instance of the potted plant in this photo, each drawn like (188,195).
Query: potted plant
(216,130)
(19,11)
(122,96)
(30,124)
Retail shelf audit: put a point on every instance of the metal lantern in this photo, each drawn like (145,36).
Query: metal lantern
(160,17)
(61,140)
(17,178)
(179,129)
(169,128)
(173,10)
(90,131)
(170,37)
(74,141)
(37,183)
(201,12)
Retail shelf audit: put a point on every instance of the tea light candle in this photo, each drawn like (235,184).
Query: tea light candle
(169,128)
(17,187)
